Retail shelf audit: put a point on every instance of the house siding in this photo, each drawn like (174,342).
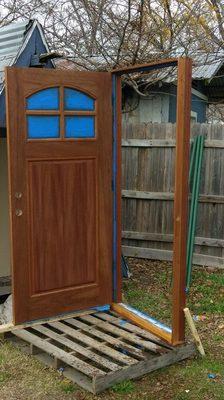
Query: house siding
(198,105)
(158,107)
(35,45)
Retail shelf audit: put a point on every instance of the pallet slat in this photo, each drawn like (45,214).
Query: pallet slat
(121,322)
(79,349)
(116,342)
(63,342)
(94,344)
(58,353)
(120,332)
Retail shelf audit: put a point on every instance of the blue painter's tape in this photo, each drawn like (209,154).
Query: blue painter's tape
(147,318)
(106,307)
(122,322)
(114,261)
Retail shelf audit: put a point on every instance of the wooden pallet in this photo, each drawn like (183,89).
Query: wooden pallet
(98,350)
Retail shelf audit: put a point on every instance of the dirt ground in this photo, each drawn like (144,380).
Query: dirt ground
(149,288)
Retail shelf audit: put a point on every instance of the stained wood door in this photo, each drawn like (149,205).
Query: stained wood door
(59,127)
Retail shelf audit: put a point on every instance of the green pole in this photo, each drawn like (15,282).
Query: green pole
(191,210)
(192,160)
(195,197)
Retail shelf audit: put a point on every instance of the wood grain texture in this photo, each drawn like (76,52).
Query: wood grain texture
(142,323)
(148,187)
(63,229)
(61,245)
(181,198)
(140,67)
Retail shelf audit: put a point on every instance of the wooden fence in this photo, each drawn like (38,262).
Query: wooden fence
(148,160)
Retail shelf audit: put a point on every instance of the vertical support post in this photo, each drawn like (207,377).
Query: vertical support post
(116,99)
(181,198)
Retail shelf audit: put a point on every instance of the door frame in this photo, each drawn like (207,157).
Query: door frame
(176,335)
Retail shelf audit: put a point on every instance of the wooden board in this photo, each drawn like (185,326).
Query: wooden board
(148,191)
(60,191)
(99,350)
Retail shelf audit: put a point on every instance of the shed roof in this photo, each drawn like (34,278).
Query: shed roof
(205,67)
(13,40)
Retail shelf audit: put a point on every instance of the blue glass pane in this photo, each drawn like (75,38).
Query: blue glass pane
(47,99)
(40,127)
(80,126)
(75,100)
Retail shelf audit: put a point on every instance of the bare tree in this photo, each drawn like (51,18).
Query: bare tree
(104,33)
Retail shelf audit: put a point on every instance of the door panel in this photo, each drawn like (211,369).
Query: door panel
(60,148)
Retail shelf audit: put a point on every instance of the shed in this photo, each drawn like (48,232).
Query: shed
(159,104)
(21,44)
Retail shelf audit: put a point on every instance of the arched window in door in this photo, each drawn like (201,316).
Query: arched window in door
(56,113)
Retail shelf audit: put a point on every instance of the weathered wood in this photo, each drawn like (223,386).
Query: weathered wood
(148,187)
(139,194)
(159,237)
(120,332)
(143,323)
(58,353)
(11,327)
(194,331)
(166,143)
(144,367)
(93,343)
(125,324)
(167,255)
(148,143)
(105,337)
(77,348)
(86,364)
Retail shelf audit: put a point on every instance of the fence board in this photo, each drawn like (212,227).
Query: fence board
(148,161)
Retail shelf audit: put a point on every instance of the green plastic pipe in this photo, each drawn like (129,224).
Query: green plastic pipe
(192,159)
(193,188)
(194,207)
(192,213)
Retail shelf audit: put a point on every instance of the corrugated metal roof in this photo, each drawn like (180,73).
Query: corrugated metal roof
(204,67)
(11,39)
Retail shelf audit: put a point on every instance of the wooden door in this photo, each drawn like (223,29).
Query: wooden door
(60,162)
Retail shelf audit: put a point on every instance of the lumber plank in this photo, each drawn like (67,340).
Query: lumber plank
(145,323)
(218,144)
(148,143)
(161,237)
(58,353)
(168,196)
(144,367)
(11,327)
(167,255)
(76,347)
(94,343)
(116,342)
(125,324)
(122,333)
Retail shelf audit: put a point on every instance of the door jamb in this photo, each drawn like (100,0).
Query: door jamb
(184,70)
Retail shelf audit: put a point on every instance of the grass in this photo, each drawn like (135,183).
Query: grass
(24,378)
